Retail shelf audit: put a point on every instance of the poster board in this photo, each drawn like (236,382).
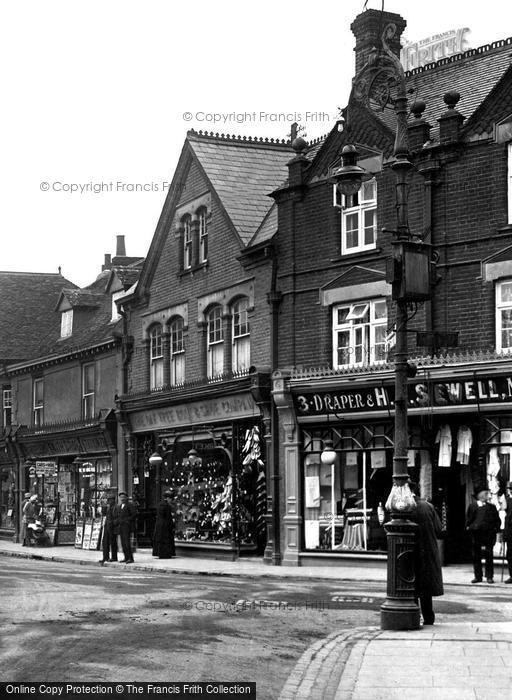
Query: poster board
(79,533)
(97,528)
(87,533)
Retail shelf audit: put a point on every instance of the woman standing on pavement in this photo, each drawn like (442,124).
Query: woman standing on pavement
(163,536)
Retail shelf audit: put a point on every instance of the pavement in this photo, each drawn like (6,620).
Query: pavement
(448,661)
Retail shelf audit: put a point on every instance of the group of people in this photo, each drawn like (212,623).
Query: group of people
(120,520)
(482,522)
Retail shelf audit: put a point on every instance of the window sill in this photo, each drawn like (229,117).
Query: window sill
(359,255)
(192,270)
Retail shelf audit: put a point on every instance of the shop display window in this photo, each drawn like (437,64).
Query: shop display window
(343,501)
(94,484)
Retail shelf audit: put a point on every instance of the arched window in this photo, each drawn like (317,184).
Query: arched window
(215,342)
(177,352)
(203,235)
(241,335)
(187,242)
(156,358)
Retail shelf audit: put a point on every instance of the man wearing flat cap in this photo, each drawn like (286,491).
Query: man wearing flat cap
(482,522)
(507,530)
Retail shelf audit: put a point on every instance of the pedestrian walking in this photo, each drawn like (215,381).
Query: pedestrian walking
(126,517)
(163,536)
(110,531)
(507,530)
(23,533)
(31,513)
(483,523)
(427,562)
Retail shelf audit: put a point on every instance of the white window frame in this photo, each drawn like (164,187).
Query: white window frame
(203,235)
(177,352)
(500,307)
(66,323)
(241,335)
(7,405)
(88,394)
(363,344)
(188,248)
(38,402)
(359,205)
(156,357)
(215,342)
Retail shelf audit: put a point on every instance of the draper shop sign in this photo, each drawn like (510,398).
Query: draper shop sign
(481,390)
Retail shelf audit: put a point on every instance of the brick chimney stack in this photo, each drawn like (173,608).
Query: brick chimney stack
(120,248)
(367,29)
(108,262)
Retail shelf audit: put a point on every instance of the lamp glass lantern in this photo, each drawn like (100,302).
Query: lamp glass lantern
(349,177)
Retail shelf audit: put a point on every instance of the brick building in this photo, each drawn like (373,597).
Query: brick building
(196,406)
(336,323)
(61,430)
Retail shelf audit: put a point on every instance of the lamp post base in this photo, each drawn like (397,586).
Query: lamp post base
(400,610)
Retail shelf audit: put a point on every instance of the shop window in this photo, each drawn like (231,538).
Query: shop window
(88,390)
(187,242)
(177,352)
(7,405)
(203,235)
(241,335)
(344,501)
(359,219)
(156,358)
(66,323)
(38,402)
(359,333)
(504,316)
(215,342)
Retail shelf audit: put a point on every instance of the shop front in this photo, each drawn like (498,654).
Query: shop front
(72,469)
(210,454)
(460,436)
(8,515)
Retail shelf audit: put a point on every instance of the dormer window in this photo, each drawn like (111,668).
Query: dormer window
(115,311)
(66,323)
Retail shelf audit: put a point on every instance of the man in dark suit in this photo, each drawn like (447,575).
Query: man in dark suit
(507,531)
(483,522)
(126,516)
(110,530)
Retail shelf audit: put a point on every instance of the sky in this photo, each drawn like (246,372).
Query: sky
(99,95)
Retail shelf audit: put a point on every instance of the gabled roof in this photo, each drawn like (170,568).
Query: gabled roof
(27,311)
(242,171)
(79,298)
(473,74)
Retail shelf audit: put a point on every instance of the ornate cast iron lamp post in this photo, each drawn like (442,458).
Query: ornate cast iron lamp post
(380,84)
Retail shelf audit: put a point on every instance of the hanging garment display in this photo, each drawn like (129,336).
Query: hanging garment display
(493,469)
(464,442)
(444,438)
(425,480)
(312,492)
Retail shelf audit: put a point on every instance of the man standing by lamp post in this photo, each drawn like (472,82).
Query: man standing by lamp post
(381,82)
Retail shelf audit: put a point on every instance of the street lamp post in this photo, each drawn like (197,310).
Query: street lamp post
(379,84)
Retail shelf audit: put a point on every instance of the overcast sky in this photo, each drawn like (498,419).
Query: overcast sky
(95,93)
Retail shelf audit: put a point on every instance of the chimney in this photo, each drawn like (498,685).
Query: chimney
(108,262)
(368,28)
(121,248)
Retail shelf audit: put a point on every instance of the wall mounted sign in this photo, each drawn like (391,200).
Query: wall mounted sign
(480,390)
(223,408)
(46,469)
(419,53)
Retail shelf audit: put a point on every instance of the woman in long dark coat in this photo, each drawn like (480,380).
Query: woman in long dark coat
(429,575)
(163,537)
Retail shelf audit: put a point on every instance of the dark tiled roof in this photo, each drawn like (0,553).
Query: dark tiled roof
(27,311)
(126,275)
(81,298)
(267,228)
(473,74)
(243,172)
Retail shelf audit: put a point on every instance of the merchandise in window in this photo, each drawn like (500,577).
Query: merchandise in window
(360,333)
(504,316)
(359,219)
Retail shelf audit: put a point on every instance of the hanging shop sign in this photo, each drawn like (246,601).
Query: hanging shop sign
(462,392)
(46,469)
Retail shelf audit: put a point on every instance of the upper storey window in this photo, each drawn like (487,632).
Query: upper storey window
(359,333)
(241,335)
(215,342)
(187,243)
(504,316)
(359,219)
(66,323)
(177,352)
(203,235)
(156,358)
